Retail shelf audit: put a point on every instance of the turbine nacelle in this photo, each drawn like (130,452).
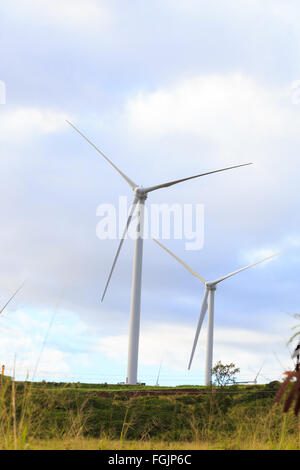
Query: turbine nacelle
(140,193)
(210,286)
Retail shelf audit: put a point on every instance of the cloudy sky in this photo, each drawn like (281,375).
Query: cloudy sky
(167,89)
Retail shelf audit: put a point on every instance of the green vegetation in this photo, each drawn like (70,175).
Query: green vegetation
(224,374)
(56,415)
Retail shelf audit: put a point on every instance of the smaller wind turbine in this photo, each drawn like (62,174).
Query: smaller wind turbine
(157,384)
(252,381)
(208,304)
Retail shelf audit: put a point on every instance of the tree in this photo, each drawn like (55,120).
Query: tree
(223,374)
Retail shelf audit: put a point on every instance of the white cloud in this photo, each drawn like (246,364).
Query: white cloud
(243,11)
(172,342)
(25,123)
(294,240)
(73,15)
(24,344)
(52,363)
(21,354)
(228,109)
(255,255)
(25,348)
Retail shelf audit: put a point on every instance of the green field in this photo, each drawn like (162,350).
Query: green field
(102,416)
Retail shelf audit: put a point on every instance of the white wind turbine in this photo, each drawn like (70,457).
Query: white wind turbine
(251,381)
(208,304)
(140,195)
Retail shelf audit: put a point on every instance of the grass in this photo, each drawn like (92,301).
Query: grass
(73,416)
(109,444)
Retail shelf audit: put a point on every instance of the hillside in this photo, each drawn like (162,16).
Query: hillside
(35,412)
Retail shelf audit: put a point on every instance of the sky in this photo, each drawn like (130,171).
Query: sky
(166,89)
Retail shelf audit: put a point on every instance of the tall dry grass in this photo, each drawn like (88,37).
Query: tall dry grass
(27,422)
(26,415)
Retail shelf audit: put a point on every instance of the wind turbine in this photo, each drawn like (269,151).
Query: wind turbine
(208,304)
(140,195)
(251,381)
(157,384)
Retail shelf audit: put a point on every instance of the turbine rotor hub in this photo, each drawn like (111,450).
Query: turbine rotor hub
(140,193)
(211,287)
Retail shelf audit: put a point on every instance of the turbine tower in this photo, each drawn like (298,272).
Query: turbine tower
(140,196)
(208,305)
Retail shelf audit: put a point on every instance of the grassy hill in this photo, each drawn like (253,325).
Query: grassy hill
(238,416)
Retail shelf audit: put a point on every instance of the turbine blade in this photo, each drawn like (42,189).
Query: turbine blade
(129,181)
(255,380)
(203,310)
(158,373)
(120,245)
(243,269)
(11,298)
(180,261)
(170,183)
